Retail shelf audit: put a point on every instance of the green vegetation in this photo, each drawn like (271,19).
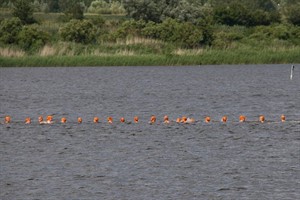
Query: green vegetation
(168,32)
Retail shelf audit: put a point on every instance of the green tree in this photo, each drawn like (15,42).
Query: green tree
(24,10)
(31,38)
(80,31)
(148,10)
(53,5)
(232,14)
(183,10)
(293,14)
(184,34)
(73,9)
(9,30)
(102,7)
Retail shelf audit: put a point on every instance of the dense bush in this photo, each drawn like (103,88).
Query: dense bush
(130,28)
(102,7)
(293,14)
(238,14)
(233,14)
(9,30)
(31,38)
(24,11)
(148,10)
(80,31)
(280,31)
(183,11)
(225,36)
(184,34)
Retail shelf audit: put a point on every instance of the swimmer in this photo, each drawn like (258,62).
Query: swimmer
(63,120)
(7,120)
(27,120)
(136,119)
(262,119)
(96,120)
(152,119)
(242,118)
(224,119)
(122,119)
(282,118)
(166,119)
(207,119)
(187,120)
(110,120)
(49,119)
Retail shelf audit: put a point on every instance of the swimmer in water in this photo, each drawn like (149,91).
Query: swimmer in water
(224,119)
(7,120)
(63,120)
(166,119)
(96,120)
(152,119)
(207,119)
(27,120)
(110,120)
(262,119)
(242,118)
(136,119)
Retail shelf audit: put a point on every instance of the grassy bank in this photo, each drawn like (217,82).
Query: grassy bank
(189,58)
(119,41)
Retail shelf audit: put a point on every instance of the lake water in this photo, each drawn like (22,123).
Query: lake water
(142,161)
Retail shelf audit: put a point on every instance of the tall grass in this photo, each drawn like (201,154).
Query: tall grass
(11,52)
(129,59)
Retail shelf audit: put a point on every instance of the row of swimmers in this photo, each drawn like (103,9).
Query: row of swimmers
(184,119)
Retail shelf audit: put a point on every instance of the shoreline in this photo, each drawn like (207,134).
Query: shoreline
(207,58)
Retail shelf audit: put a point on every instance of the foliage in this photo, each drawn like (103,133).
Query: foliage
(130,28)
(226,36)
(148,10)
(280,32)
(9,30)
(24,10)
(185,34)
(293,14)
(205,24)
(80,31)
(31,38)
(236,13)
(184,10)
(102,7)
(73,9)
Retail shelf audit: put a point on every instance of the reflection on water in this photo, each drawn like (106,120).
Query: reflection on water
(142,161)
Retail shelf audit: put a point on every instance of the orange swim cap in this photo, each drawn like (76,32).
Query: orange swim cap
(282,118)
(136,119)
(242,118)
(27,120)
(96,119)
(110,120)
(262,119)
(207,119)
(7,119)
(63,120)
(224,119)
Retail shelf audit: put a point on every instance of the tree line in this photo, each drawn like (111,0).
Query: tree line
(229,12)
(187,23)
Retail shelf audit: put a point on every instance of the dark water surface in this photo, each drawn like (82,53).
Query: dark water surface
(141,161)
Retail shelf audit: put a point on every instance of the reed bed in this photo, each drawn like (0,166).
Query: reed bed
(11,52)
(128,58)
